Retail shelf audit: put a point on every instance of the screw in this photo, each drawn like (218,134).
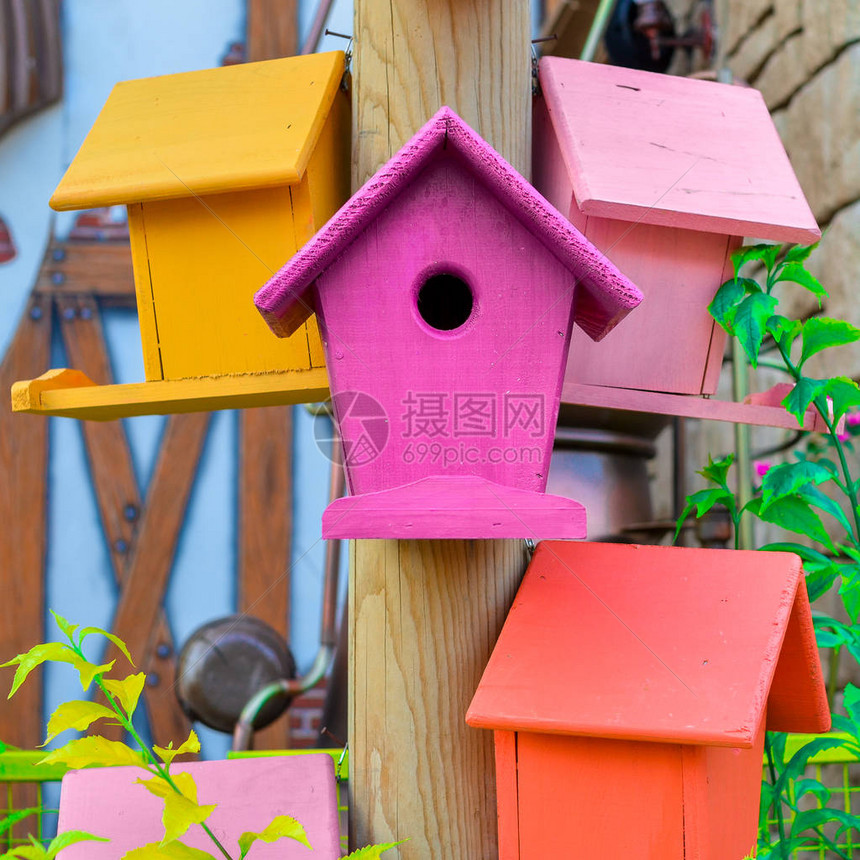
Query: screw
(58,255)
(163,650)
(35,312)
(86,313)
(130,512)
(120,545)
(68,313)
(58,278)
(152,679)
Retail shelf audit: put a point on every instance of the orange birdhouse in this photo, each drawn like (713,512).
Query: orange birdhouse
(629,693)
(665,175)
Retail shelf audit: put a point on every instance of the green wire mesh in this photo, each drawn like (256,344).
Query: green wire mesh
(21,789)
(837,769)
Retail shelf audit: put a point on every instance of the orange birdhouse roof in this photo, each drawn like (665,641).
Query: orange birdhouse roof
(656,643)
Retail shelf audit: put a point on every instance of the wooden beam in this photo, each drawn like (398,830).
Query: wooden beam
(149,568)
(265,529)
(100,269)
(414,56)
(118,497)
(23,509)
(272,29)
(425,616)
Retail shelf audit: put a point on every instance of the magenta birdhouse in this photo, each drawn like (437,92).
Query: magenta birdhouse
(665,175)
(446,289)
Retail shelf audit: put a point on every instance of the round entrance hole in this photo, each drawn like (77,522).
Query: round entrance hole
(445,302)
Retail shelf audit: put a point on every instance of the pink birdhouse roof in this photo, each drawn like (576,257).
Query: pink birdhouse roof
(605,295)
(656,643)
(678,152)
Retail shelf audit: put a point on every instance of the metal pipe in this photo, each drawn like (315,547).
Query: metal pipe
(316,31)
(598,28)
(740,388)
(243,734)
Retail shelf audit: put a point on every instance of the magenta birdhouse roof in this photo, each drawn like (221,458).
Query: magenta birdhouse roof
(656,643)
(604,294)
(677,152)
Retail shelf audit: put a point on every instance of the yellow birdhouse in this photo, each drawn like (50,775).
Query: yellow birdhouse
(226,173)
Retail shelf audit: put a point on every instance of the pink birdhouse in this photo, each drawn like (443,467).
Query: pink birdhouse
(446,289)
(665,175)
(634,684)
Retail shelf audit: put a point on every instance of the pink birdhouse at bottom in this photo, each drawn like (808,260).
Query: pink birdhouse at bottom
(109,802)
(446,289)
(629,692)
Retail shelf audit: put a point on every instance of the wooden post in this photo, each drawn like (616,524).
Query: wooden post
(424,615)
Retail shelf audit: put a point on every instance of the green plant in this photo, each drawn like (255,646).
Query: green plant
(814,495)
(177,790)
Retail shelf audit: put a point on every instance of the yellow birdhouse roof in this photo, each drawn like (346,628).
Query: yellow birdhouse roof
(232,128)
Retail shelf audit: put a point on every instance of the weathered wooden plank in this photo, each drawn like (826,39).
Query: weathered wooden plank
(23,502)
(425,616)
(265,529)
(272,29)
(117,493)
(97,268)
(411,58)
(149,568)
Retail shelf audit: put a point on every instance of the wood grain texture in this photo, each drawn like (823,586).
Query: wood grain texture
(140,603)
(605,296)
(248,793)
(23,511)
(622,672)
(674,151)
(413,57)
(72,394)
(100,269)
(265,530)
(760,411)
(272,29)
(118,497)
(424,617)
(449,507)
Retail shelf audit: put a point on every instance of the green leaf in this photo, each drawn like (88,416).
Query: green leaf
(795,515)
(783,330)
(798,400)
(7,822)
(65,628)
(181,809)
(787,478)
(844,393)
(717,471)
(849,591)
(115,639)
(796,273)
(127,691)
(749,323)
(821,333)
(814,787)
(94,751)
(763,253)
(819,578)
(167,754)
(702,501)
(799,253)
(71,837)
(280,827)
(805,552)
(55,652)
(851,701)
(26,852)
(726,301)
(819,500)
(77,715)
(373,852)
(172,851)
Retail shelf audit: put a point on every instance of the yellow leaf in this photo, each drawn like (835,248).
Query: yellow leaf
(127,690)
(181,809)
(76,715)
(96,751)
(115,639)
(372,852)
(173,851)
(167,754)
(280,827)
(65,627)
